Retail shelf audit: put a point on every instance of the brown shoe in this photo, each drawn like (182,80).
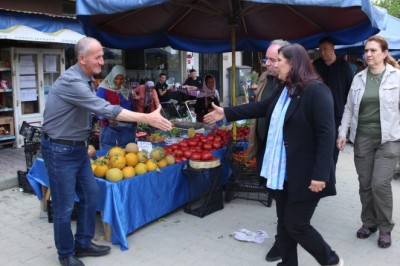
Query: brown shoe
(384,240)
(364,232)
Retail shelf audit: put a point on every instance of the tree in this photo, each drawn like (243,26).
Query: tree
(392,6)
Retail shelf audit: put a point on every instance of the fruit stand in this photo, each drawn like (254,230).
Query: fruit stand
(134,202)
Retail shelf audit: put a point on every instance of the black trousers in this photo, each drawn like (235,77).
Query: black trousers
(294,228)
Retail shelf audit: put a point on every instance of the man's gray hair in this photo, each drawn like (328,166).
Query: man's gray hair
(82,47)
(279,42)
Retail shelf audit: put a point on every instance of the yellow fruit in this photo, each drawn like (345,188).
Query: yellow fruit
(157,153)
(140,168)
(102,160)
(128,172)
(151,165)
(131,159)
(93,166)
(162,163)
(101,170)
(114,175)
(191,132)
(132,147)
(142,155)
(118,162)
(116,151)
(170,159)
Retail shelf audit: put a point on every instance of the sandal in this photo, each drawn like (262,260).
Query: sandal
(364,232)
(384,240)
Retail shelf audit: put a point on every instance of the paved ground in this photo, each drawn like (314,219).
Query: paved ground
(182,239)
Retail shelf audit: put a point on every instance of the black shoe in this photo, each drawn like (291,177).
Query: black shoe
(273,254)
(93,250)
(71,261)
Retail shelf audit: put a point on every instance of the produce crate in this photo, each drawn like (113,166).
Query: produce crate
(74,214)
(244,182)
(23,183)
(32,151)
(205,190)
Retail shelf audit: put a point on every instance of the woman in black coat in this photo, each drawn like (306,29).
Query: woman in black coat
(296,153)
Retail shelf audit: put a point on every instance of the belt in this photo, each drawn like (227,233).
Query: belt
(65,142)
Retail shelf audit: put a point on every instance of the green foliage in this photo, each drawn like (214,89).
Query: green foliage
(392,6)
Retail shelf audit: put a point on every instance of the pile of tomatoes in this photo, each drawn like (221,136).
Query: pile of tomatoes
(200,147)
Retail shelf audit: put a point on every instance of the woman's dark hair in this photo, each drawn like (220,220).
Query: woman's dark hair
(208,77)
(302,71)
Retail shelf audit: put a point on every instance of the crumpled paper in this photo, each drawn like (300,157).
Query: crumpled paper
(258,236)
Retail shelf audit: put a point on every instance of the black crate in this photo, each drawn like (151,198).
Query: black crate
(49,204)
(32,151)
(244,182)
(205,190)
(31,133)
(23,183)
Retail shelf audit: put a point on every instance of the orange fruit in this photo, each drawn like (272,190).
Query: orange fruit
(116,151)
(140,168)
(162,163)
(128,172)
(151,165)
(101,170)
(131,159)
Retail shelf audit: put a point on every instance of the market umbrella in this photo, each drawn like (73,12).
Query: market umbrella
(215,26)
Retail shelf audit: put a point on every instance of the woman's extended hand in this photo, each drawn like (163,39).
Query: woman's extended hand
(341,143)
(316,186)
(215,115)
(155,119)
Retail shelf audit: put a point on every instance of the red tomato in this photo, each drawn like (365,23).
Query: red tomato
(195,157)
(187,153)
(204,140)
(207,146)
(175,146)
(184,158)
(178,159)
(183,144)
(168,150)
(216,145)
(217,138)
(178,153)
(192,143)
(206,156)
(198,135)
(210,137)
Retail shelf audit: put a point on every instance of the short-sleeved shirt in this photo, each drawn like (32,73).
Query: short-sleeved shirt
(194,82)
(162,87)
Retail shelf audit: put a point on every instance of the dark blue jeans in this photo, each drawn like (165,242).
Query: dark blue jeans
(69,172)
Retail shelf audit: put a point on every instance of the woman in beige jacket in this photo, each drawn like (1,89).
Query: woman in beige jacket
(372,114)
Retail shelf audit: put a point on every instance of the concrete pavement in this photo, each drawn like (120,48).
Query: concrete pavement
(182,239)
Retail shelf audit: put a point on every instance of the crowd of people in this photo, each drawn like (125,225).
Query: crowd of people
(304,112)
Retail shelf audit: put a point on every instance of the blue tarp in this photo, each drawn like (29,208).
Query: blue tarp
(204,26)
(391,34)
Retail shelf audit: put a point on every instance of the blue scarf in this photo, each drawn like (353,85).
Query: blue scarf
(274,162)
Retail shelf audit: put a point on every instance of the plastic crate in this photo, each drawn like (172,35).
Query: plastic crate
(23,183)
(244,182)
(32,151)
(49,204)
(31,133)
(205,190)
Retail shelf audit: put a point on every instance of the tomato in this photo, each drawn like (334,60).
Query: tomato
(192,143)
(168,150)
(207,146)
(206,156)
(217,138)
(178,159)
(195,157)
(216,144)
(183,144)
(210,137)
(187,153)
(204,140)
(198,135)
(178,153)
(184,158)
(175,146)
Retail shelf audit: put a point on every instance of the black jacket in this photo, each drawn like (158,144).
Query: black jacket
(308,133)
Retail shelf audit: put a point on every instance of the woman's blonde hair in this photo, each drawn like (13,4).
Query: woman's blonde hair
(385,47)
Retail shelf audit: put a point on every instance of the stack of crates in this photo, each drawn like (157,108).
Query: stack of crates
(32,135)
(205,190)
(244,182)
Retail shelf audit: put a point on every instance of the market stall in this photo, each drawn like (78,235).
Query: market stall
(132,203)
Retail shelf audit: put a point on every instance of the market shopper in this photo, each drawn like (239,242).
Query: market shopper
(372,114)
(162,88)
(267,84)
(209,94)
(296,155)
(69,107)
(337,74)
(146,97)
(116,91)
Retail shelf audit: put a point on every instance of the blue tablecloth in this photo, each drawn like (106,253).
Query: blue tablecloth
(132,203)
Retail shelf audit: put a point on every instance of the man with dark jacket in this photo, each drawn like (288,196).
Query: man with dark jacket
(337,75)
